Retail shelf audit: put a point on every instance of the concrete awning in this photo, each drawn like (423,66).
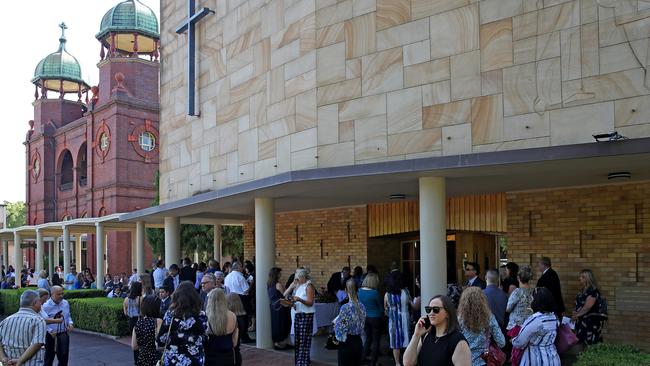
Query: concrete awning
(478,173)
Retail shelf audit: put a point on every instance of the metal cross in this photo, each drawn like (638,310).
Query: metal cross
(188,26)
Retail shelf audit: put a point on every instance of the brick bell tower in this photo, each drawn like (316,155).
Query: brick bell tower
(99,156)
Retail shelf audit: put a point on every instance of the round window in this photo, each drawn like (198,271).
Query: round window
(104,141)
(147,141)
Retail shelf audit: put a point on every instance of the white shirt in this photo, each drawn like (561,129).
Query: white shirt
(51,308)
(134,278)
(159,275)
(236,282)
(301,292)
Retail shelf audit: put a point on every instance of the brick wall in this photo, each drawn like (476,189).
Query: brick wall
(330,226)
(605,229)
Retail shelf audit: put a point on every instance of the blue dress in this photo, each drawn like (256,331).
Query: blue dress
(186,339)
(398,319)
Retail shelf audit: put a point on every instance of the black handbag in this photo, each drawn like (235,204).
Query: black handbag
(332,342)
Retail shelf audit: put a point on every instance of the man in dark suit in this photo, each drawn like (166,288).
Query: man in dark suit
(165,295)
(472,272)
(187,272)
(551,281)
(337,281)
(496,297)
(172,280)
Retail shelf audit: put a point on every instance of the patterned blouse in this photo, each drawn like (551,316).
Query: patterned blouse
(519,306)
(478,342)
(351,320)
(187,338)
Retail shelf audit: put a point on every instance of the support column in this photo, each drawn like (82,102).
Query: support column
(264,261)
(433,238)
(139,246)
(40,251)
(216,254)
(56,255)
(18,257)
(134,256)
(66,250)
(100,244)
(77,253)
(172,240)
(5,254)
(50,258)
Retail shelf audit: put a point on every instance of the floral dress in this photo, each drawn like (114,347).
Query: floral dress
(185,339)
(589,327)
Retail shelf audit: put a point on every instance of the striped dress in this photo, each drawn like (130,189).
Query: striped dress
(537,339)
(398,319)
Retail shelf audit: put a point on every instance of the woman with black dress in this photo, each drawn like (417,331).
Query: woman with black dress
(589,323)
(222,331)
(143,337)
(441,343)
(280,314)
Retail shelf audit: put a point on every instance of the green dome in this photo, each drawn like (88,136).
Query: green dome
(59,66)
(129,16)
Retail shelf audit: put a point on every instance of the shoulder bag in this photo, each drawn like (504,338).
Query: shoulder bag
(493,355)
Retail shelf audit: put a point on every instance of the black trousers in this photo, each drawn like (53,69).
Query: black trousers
(59,347)
(350,351)
(372,329)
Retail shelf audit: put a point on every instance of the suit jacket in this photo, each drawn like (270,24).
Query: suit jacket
(187,273)
(164,305)
(497,299)
(169,282)
(551,281)
(336,283)
(478,282)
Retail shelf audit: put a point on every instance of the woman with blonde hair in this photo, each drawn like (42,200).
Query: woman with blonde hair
(223,333)
(348,327)
(589,323)
(478,323)
(371,300)
(303,302)
(43,281)
(237,307)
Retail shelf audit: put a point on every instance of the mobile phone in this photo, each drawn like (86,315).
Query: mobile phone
(427,322)
(58,315)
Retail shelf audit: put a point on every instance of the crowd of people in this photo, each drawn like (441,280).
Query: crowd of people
(199,314)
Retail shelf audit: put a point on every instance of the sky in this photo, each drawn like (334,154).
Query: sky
(30,33)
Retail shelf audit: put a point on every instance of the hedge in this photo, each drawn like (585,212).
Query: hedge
(605,354)
(101,315)
(10,299)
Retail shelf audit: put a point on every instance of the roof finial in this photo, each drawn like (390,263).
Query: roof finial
(62,40)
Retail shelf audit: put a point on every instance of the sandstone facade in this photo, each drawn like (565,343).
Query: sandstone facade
(297,84)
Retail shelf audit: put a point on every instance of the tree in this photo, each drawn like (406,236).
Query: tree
(198,238)
(16,213)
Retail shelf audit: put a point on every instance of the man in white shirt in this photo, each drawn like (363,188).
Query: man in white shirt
(57,341)
(159,274)
(238,284)
(134,277)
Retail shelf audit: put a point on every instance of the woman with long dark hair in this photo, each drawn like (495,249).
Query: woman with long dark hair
(397,303)
(438,341)
(143,337)
(131,304)
(537,335)
(280,314)
(184,329)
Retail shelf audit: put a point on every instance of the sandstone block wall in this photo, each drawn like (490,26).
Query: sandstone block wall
(297,84)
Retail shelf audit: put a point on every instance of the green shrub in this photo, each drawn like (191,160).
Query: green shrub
(612,355)
(10,299)
(101,315)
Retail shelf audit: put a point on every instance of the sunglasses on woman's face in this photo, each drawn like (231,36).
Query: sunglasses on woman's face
(435,309)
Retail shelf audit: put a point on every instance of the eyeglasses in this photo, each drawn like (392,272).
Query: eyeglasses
(469,269)
(435,309)
(204,283)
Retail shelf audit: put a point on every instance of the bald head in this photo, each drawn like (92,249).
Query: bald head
(56,294)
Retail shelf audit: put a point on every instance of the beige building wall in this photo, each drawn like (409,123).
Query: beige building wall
(297,84)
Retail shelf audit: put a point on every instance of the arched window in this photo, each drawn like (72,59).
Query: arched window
(82,166)
(67,171)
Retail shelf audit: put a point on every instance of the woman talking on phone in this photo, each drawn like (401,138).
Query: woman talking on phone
(437,339)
